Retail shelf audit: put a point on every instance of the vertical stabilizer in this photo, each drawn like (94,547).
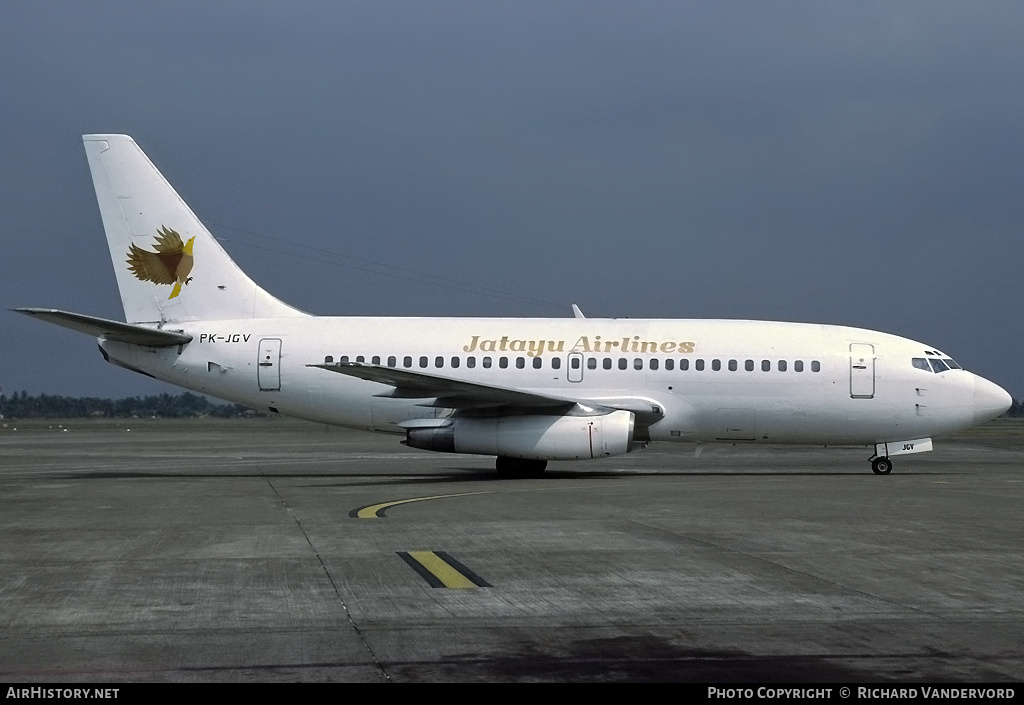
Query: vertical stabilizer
(168,265)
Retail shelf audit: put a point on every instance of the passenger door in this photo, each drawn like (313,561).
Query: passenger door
(862,371)
(268,370)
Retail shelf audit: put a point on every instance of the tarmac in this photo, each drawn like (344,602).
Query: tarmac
(268,550)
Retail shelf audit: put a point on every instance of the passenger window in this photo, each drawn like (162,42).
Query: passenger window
(360,358)
(653,364)
(470,362)
(329,359)
(591,363)
(392,361)
(606,363)
(407,361)
(456,361)
(556,363)
(684,364)
(520,363)
(669,364)
(537,362)
(716,365)
(375,359)
(766,365)
(423,361)
(700,365)
(748,365)
(782,365)
(733,366)
(487,362)
(343,358)
(798,366)
(623,363)
(638,364)
(503,362)
(815,366)
(438,361)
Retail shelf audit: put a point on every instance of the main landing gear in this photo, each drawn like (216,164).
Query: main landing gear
(881,466)
(519,467)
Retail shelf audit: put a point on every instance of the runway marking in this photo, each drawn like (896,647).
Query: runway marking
(376,511)
(441,570)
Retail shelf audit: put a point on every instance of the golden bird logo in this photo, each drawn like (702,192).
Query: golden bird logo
(170,264)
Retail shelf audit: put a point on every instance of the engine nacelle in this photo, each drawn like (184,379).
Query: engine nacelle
(533,437)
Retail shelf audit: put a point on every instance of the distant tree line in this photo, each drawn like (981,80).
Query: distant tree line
(48,406)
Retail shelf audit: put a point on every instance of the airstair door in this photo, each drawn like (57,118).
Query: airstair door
(268,370)
(862,371)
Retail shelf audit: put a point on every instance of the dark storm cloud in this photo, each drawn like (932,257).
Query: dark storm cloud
(855,164)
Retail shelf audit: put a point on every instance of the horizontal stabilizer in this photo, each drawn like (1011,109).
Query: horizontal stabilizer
(111,330)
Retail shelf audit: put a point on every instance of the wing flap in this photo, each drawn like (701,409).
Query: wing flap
(111,330)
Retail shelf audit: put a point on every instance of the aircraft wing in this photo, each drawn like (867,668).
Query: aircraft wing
(458,394)
(111,330)
(450,393)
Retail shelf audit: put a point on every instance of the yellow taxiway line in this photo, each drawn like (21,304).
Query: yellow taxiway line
(441,570)
(376,511)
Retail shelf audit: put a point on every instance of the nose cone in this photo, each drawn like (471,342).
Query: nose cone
(990,400)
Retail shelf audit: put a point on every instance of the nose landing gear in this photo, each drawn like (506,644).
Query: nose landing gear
(881,466)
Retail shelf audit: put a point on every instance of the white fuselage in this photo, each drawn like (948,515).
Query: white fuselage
(703,380)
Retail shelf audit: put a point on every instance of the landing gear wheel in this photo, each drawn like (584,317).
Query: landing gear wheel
(519,467)
(881,466)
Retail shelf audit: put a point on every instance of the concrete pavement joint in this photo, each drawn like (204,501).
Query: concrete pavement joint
(334,585)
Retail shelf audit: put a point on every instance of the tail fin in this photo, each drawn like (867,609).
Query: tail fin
(168,265)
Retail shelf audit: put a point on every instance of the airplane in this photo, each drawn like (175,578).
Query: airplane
(525,390)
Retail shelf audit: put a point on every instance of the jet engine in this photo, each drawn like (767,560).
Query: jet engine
(532,437)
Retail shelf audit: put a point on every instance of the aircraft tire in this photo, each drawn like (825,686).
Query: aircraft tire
(519,467)
(881,466)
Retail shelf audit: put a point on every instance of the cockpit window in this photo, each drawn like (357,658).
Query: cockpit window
(936,365)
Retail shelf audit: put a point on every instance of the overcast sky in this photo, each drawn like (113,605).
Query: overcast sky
(850,163)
